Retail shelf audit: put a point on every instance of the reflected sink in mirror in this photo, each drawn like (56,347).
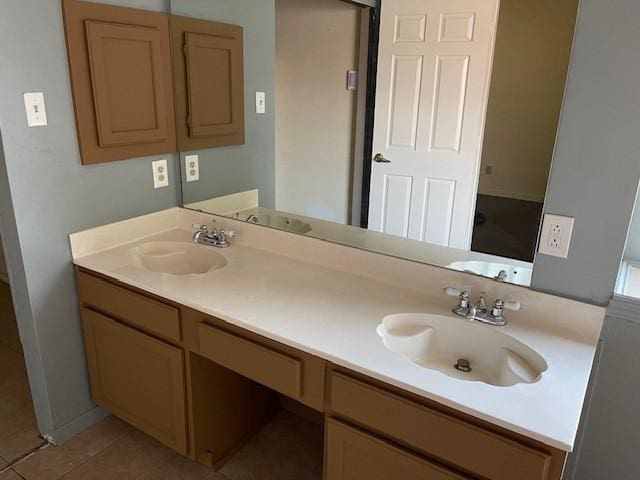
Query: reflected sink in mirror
(499,271)
(176,258)
(439,343)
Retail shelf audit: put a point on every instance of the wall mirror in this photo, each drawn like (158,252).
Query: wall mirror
(423,130)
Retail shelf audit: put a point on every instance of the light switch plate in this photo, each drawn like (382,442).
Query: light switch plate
(160,174)
(556,235)
(261,102)
(34,106)
(192,168)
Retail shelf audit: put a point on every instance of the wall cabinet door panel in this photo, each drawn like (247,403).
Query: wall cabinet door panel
(137,378)
(209,81)
(121,76)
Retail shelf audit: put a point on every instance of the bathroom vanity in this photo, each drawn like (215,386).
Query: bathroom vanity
(198,346)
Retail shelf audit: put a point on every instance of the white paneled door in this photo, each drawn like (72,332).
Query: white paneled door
(434,67)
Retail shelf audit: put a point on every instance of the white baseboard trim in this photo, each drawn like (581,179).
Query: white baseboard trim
(75,426)
(497,192)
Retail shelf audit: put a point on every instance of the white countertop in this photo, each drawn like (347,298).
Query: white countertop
(334,314)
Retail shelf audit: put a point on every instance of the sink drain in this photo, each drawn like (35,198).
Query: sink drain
(463,365)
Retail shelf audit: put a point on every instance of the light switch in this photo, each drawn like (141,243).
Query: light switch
(192,168)
(556,235)
(160,174)
(261,102)
(34,106)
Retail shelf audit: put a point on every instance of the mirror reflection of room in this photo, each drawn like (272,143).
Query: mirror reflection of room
(429,137)
(531,61)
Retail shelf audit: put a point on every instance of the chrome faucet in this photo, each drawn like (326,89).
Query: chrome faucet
(502,276)
(479,311)
(215,238)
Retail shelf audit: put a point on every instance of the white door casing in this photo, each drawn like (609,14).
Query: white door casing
(434,70)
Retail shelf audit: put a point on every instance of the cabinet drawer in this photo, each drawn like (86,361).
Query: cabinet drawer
(137,310)
(269,367)
(449,439)
(354,455)
(138,378)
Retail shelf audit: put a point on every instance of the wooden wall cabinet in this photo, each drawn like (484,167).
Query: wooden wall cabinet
(133,98)
(209,83)
(121,77)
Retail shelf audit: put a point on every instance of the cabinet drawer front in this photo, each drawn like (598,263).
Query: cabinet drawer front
(447,438)
(138,378)
(139,311)
(273,369)
(354,455)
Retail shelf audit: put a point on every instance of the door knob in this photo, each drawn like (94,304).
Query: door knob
(379,158)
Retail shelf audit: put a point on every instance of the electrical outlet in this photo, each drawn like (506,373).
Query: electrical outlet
(556,235)
(192,168)
(160,174)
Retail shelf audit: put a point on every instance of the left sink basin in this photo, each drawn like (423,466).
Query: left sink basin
(176,258)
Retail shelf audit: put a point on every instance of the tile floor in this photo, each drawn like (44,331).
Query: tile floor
(18,431)
(287,448)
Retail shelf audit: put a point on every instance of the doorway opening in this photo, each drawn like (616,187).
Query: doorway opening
(322,57)
(19,435)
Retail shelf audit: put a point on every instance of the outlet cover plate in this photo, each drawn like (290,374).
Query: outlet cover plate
(261,103)
(160,174)
(36,111)
(192,168)
(555,238)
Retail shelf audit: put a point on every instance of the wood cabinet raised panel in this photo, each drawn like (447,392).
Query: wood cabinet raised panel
(209,83)
(121,77)
(133,98)
(352,454)
(202,386)
(138,378)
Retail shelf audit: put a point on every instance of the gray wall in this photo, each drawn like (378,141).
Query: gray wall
(52,194)
(252,165)
(595,171)
(610,432)
(632,250)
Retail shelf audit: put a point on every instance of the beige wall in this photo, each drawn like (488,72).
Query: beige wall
(533,47)
(316,43)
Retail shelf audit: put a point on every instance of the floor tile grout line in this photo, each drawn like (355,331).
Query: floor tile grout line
(24,456)
(87,459)
(20,476)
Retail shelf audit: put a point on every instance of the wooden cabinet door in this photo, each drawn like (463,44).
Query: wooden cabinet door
(120,65)
(137,378)
(354,455)
(209,82)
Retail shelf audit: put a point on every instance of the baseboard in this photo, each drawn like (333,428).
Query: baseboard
(75,426)
(497,192)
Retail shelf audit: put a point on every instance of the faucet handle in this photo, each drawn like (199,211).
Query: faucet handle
(230,233)
(454,292)
(200,226)
(515,306)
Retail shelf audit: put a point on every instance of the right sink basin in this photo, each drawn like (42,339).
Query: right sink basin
(461,349)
